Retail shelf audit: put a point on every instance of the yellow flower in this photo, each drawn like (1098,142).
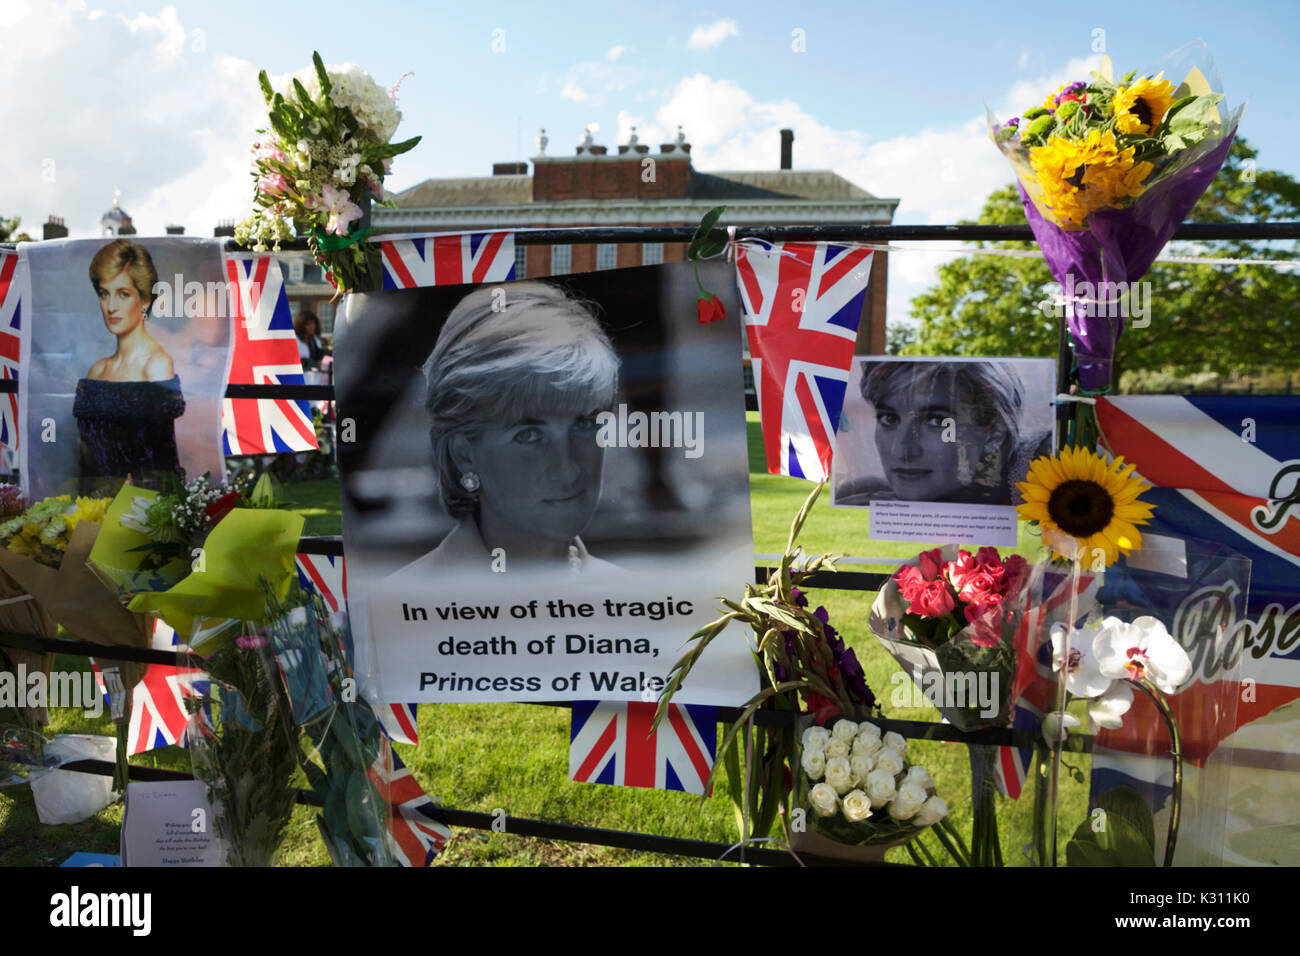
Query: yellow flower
(1080,177)
(1139,107)
(1077,493)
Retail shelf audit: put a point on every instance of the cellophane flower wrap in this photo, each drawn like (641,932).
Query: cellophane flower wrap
(199,552)
(321,158)
(1108,170)
(858,787)
(44,574)
(950,619)
(273,705)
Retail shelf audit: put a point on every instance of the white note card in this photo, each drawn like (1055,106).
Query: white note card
(169,823)
(942,521)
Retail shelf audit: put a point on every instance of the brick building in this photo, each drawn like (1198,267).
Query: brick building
(633,186)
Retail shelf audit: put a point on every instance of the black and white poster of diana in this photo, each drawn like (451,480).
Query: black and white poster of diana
(545,487)
(126,353)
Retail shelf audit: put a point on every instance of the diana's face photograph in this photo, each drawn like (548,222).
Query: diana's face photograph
(931,445)
(539,476)
(944,430)
(121,304)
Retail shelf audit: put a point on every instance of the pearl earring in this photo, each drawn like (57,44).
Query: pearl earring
(469,481)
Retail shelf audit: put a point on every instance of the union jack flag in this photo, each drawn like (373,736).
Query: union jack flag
(1226,477)
(10,324)
(158,714)
(417,831)
(264,352)
(448,259)
(327,575)
(802,303)
(610,742)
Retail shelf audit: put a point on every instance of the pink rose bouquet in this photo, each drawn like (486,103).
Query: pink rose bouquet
(950,619)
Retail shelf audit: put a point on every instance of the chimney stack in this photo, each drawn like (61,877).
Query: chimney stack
(175,230)
(787,149)
(54,228)
(225,227)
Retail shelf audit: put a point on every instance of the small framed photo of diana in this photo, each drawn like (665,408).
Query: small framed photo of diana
(953,430)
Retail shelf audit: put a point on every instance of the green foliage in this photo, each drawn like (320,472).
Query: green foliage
(1221,319)
(8,227)
(1119,832)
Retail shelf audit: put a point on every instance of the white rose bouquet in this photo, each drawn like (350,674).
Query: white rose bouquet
(324,153)
(873,797)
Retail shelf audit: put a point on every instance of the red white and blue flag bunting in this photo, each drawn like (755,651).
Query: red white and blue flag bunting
(608,744)
(327,575)
(448,259)
(10,342)
(417,831)
(264,352)
(158,714)
(802,303)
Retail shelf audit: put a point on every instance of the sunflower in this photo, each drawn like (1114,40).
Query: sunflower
(1078,177)
(1079,494)
(1139,107)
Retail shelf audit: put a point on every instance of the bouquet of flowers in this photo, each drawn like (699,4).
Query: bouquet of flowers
(859,789)
(45,579)
(243,746)
(950,620)
(153,543)
(324,153)
(803,666)
(1108,170)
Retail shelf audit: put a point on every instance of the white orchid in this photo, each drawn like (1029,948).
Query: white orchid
(1109,709)
(1083,676)
(1141,649)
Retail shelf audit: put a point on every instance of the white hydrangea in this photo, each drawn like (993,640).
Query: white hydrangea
(352,88)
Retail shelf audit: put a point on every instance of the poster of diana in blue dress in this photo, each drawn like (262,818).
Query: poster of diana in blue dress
(125,353)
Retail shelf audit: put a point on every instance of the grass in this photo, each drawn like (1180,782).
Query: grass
(514,757)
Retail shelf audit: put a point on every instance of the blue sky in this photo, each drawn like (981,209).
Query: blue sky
(160,100)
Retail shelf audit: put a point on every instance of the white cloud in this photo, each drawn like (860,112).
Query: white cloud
(940,175)
(171,43)
(572,91)
(615,52)
(1023,62)
(707,37)
(116,106)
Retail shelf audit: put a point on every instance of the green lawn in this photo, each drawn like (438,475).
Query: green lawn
(514,757)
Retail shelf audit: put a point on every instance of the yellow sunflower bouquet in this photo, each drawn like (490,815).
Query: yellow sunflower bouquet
(1108,171)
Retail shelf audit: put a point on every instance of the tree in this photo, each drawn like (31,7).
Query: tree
(8,226)
(1219,318)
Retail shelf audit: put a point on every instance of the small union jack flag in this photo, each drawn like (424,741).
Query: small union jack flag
(10,325)
(264,352)
(158,714)
(327,575)
(802,303)
(417,831)
(448,259)
(610,742)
